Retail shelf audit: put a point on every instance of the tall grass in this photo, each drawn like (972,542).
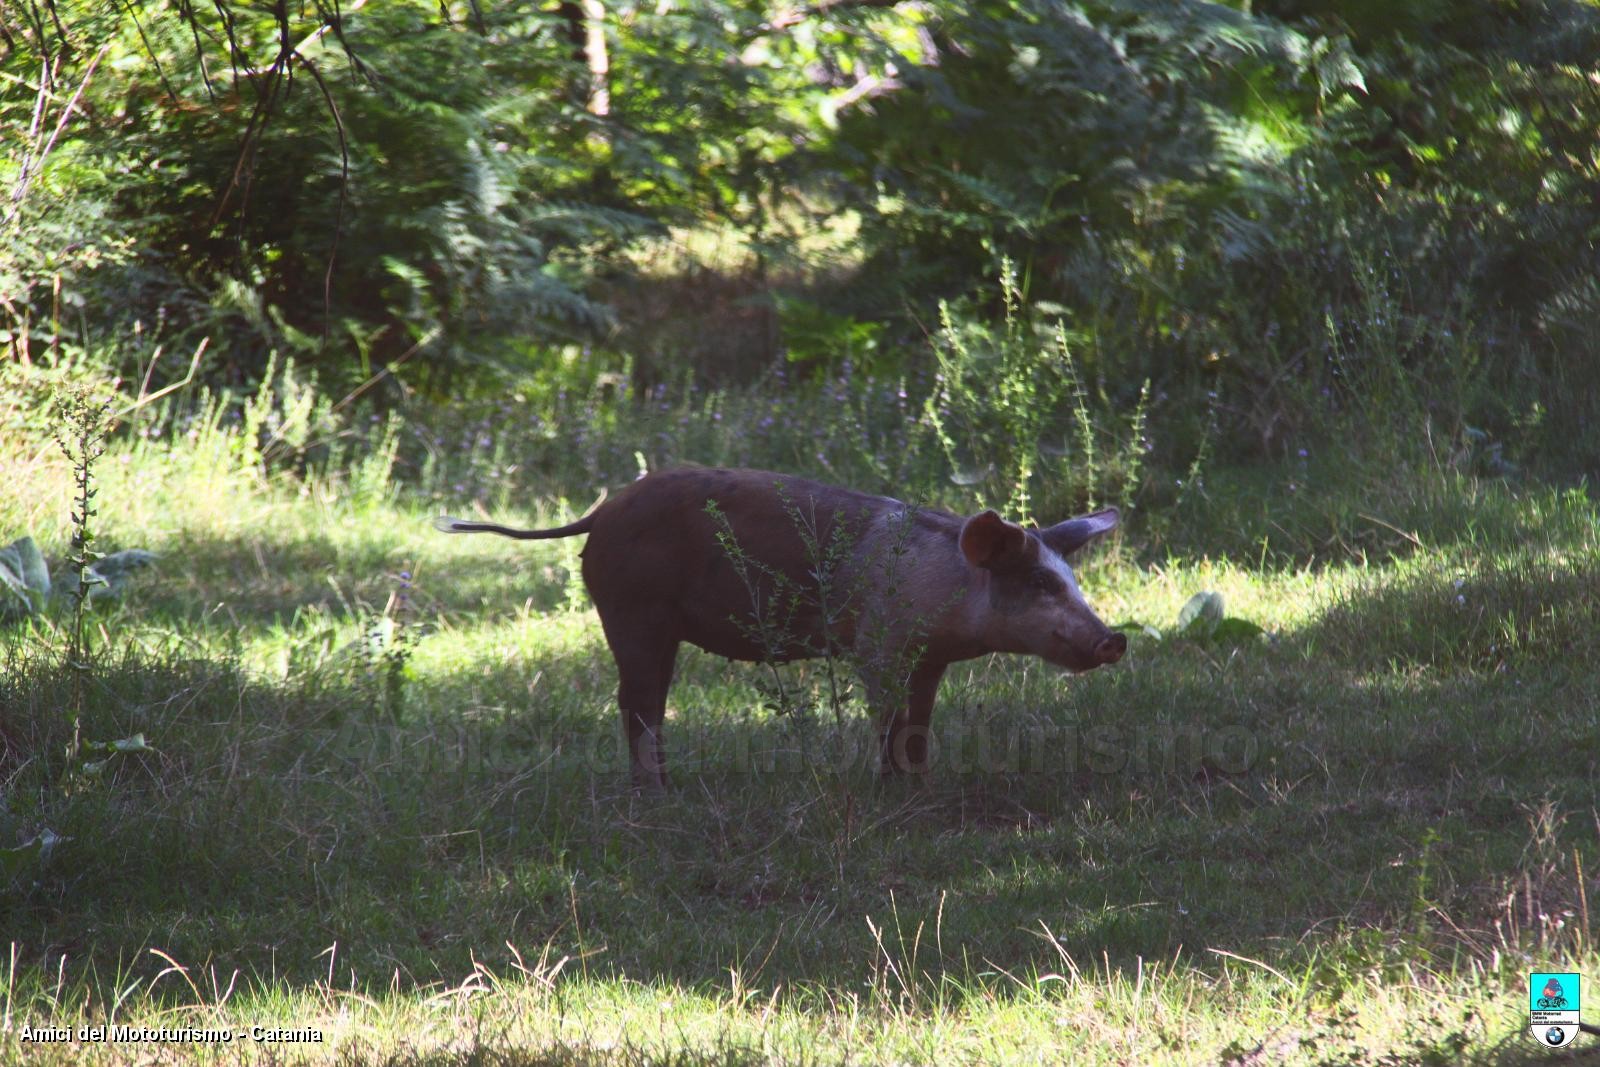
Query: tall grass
(1015,419)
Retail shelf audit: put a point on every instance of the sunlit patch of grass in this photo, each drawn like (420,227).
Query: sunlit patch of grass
(535,1006)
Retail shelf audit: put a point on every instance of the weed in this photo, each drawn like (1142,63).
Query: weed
(81,434)
(1191,481)
(835,601)
(1010,409)
(775,601)
(389,641)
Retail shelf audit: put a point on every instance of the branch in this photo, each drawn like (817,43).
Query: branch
(784,20)
(344,187)
(194,365)
(33,162)
(155,60)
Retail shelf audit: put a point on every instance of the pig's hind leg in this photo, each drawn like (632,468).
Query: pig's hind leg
(645,646)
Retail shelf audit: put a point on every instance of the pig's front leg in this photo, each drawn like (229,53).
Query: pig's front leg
(903,728)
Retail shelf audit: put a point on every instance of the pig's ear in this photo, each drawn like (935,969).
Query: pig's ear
(986,539)
(1069,536)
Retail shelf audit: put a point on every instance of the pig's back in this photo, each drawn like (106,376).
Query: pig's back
(654,551)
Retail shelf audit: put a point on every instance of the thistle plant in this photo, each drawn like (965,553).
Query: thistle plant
(81,433)
(397,655)
(385,649)
(827,559)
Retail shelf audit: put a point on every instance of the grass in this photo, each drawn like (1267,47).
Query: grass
(1348,843)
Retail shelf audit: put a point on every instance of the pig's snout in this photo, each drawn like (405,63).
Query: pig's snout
(1110,649)
(1085,654)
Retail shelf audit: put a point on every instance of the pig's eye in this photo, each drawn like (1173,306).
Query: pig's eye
(1044,581)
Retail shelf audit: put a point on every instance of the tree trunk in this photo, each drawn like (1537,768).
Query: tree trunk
(586,30)
(594,14)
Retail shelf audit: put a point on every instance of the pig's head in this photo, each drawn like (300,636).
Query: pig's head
(1034,604)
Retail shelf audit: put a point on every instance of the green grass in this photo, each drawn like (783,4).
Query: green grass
(1348,843)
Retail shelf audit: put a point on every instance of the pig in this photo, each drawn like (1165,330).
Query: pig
(702,554)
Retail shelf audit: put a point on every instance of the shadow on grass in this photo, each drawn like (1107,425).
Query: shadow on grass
(1333,510)
(1518,611)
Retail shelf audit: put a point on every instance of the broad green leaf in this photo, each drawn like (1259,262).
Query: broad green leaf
(972,476)
(30,855)
(24,578)
(1203,609)
(1236,631)
(14,598)
(1134,628)
(136,743)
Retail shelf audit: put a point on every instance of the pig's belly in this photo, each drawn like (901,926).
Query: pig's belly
(775,637)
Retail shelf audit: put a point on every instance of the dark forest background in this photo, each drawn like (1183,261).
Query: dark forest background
(1252,226)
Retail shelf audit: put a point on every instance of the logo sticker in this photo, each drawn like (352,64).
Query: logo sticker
(1554,1002)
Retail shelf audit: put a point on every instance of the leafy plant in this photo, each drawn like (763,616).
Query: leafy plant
(1011,410)
(815,337)
(24,579)
(775,600)
(110,750)
(384,649)
(29,857)
(81,435)
(1201,619)
(26,587)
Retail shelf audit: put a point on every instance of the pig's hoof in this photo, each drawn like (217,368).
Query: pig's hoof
(646,781)
(889,767)
(905,752)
